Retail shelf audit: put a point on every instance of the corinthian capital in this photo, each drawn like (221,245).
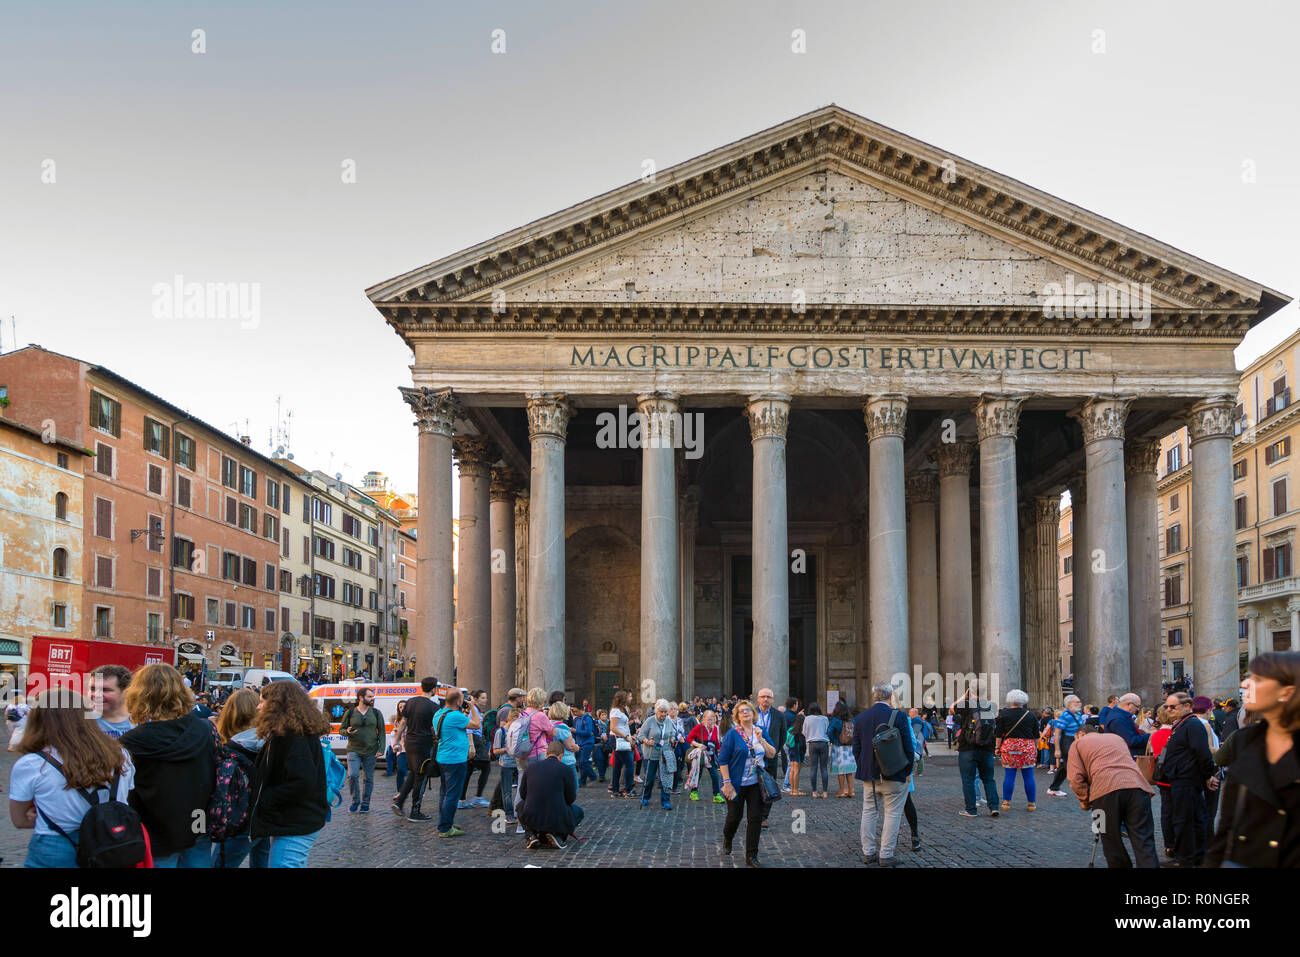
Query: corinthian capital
(435,409)
(504,485)
(920,487)
(1211,418)
(885,415)
(1141,456)
(660,419)
(769,415)
(548,415)
(997,415)
(1047,510)
(1103,417)
(474,454)
(954,458)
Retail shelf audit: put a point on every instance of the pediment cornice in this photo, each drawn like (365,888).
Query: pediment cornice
(833,138)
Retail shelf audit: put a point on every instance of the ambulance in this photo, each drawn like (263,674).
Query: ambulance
(335,699)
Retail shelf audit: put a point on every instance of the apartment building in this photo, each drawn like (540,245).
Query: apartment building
(403,507)
(41,514)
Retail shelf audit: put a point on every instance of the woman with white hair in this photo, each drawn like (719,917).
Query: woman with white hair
(658,736)
(1016,731)
(1067,725)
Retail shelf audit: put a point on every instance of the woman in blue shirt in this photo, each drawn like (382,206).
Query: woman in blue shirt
(744,750)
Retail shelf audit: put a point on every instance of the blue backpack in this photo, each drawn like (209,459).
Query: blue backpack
(335,775)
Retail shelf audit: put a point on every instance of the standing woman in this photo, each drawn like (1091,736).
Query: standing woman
(635,725)
(620,731)
(399,743)
(744,750)
(1259,824)
(1016,740)
(815,728)
(289,805)
(658,737)
(237,731)
(175,756)
(1067,725)
(704,743)
(797,747)
(843,764)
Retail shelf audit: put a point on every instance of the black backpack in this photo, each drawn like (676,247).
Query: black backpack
(111,833)
(891,753)
(982,733)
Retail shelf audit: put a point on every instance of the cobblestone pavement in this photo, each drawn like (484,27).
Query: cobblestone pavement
(618,833)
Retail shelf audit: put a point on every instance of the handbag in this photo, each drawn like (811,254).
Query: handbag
(768,789)
(1017,753)
(1146,763)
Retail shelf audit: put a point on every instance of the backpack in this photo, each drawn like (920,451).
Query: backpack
(111,833)
(846,733)
(335,775)
(981,732)
(518,742)
(229,811)
(890,752)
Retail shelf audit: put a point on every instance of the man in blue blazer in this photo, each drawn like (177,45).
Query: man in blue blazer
(773,724)
(883,796)
(1122,720)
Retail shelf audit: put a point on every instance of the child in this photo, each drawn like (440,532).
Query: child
(507,762)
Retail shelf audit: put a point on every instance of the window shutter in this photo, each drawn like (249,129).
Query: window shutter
(1279,498)
(1284,561)
(1286,446)
(1270,565)
(104,518)
(116,426)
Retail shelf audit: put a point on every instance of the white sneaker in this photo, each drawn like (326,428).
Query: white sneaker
(1059,794)
(519,829)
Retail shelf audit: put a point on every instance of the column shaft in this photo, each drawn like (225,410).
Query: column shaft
(660,572)
(1079,580)
(1214,578)
(769,417)
(1043,655)
(548,418)
(997,418)
(503,489)
(886,417)
(922,576)
(474,568)
(1143,569)
(956,594)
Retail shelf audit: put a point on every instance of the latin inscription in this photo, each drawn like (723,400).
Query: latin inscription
(882,358)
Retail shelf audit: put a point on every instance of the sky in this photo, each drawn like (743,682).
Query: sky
(129,159)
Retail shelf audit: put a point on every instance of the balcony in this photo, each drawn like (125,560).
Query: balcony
(1277,588)
(1277,403)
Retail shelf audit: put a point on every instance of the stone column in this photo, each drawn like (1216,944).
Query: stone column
(997,417)
(1143,569)
(690,513)
(922,575)
(474,457)
(886,417)
(1043,651)
(660,569)
(521,587)
(769,417)
(1252,634)
(435,411)
(1293,606)
(956,601)
(1102,418)
(503,489)
(548,418)
(1214,573)
(1079,580)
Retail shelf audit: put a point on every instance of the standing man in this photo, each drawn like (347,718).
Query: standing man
(419,742)
(363,726)
(976,743)
(108,685)
(1121,718)
(1189,770)
(773,724)
(479,756)
(1106,780)
(450,726)
(584,732)
(883,795)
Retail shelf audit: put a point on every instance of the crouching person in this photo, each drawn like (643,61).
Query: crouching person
(1106,778)
(546,795)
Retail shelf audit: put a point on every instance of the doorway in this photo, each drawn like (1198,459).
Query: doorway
(803,628)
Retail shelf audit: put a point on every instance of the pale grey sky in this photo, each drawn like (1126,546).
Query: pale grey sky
(224,167)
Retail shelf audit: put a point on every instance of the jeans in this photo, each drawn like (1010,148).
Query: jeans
(1188,799)
(291,850)
(623,765)
(356,764)
(714,777)
(655,769)
(390,762)
(470,767)
(1059,776)
(200,855)
(882,813)
(585,771)
(976,763)
(51,850)
(453,780)
(749,802)
(507,792)
(1009,783)
(1128,808)
(819,756)
(236,849)
(401,769)
(602,760)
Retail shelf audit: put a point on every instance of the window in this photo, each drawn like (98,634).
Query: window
(285,504)
(182,491)
(271,527)
(104,459)
(183,606)
(60,563)
(61,506)
(1239,504)
(232,614)
(1174,589)
(157,437)
(228,471)
(1281,397)
(401,572)
(306,509)
(351,558)
(1173,539)
(1243,630)
(105,414)
(374,634)
(306,623)
(104,518)
(401,547)
(232,511)
(1279,497)
(272,494)
(351,526)
(286,584)
(1278,450)
(247,482)
(182,553)
(270,619)
(270,577)
(324,585)
(284,618)
(1238,470)
(321,512)
(61,459)
(374,601)
(1067,564)
(403,600)
(153,627)
(153,582)
(1243,571)
(60,616)
(247,518)
(372,535)
(1276,562)
(230,566)
(306,550)
(250,572)
(324,629)
(103,571)
(1175,637)
(247,617)
(284,543)
(1069,607)
(155,480)
(1174,459)
(325,547)
(103,622)
(185,451)
(214,612)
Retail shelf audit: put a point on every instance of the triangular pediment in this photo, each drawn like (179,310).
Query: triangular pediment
(829,206)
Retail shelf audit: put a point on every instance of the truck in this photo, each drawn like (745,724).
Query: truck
(58,662)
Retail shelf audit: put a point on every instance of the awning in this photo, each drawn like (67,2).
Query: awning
(303,657)
(196,659)
(231,660)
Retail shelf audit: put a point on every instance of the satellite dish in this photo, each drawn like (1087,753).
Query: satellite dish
(289,456)
(339,476)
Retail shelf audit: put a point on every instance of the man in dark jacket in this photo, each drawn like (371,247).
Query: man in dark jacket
(546,794)
(1121,718)
(773,723)
(1189,769)
(1231,718)
(419,746)
(175,774)
(883,795)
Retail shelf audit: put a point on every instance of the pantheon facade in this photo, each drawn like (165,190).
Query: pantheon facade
(867,370)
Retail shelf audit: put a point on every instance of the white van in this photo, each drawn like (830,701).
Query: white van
(232,678)
(257,677)
(335,699)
